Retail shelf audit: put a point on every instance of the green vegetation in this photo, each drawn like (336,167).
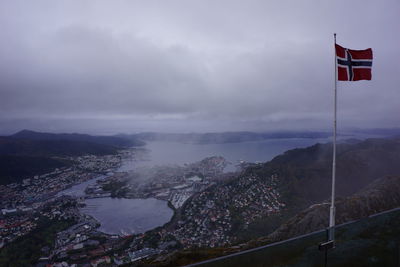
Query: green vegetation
(14,169)
(49,148)
(152,239)
(28,153)
(116,141)
(261,227)
(26,250)
(116,188)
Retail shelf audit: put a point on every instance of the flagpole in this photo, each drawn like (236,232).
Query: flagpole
(332,209)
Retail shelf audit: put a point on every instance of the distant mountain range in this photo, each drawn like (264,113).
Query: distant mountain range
(16,168)
(389,132)
(226,137)
(27,152)
(116,141)
(29,143)
(245,136)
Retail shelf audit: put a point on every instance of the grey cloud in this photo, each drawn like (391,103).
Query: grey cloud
(200,64)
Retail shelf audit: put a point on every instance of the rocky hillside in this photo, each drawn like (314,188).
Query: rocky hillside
(264,196)
(305,174)
(282,198)
(383,194)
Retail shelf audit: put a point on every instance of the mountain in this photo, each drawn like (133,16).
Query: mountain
(49,148)
(225,137)
(30,143)
(16,168)
(263,196)
(22,158)
(372,237)
(388,132)
(116,141)
(27,153)
(305,174)
(382,194)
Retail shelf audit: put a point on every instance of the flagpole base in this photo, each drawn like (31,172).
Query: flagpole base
(331,233)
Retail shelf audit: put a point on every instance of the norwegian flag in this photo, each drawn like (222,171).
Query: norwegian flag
(353,65)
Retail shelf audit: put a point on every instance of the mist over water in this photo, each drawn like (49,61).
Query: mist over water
(165,153)
(139,215)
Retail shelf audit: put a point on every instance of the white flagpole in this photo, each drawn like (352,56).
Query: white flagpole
(332,209)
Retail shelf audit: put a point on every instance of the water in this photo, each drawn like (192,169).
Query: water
(78,190)
(120,215)
(161,153)
(128,216)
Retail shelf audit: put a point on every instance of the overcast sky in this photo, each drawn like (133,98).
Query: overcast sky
(193,65)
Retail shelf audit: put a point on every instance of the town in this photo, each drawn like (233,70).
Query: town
(210,220)
(171,183)
(205,208)
(19,202)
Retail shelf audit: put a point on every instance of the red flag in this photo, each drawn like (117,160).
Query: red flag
(353,65)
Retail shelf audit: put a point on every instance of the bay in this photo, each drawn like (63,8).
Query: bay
(128,216)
